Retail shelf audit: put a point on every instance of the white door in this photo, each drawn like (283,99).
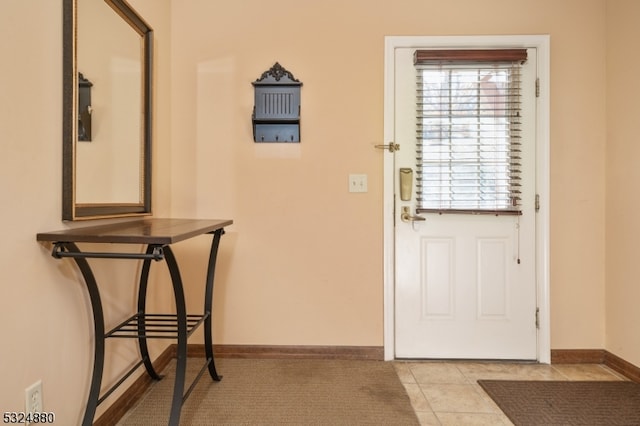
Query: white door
(465,284)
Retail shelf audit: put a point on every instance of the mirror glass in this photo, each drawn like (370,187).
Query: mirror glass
(107,100)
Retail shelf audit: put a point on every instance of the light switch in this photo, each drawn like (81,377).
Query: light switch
(357,183)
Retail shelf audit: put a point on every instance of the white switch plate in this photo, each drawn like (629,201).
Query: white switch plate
(357,183)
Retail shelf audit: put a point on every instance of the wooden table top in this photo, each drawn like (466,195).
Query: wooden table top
(141,231)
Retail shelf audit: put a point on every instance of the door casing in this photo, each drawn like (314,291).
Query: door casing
(542,44)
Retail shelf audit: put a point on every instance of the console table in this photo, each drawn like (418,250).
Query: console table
(157,235)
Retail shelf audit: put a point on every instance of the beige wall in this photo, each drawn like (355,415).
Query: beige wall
(623,175)
(305,256)
(302,265)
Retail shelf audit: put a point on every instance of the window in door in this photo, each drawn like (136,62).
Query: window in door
(468,133)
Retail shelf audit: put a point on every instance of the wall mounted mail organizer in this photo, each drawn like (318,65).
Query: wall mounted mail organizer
(276,111)
(84,108)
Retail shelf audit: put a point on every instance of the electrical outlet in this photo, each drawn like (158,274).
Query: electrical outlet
(33,398)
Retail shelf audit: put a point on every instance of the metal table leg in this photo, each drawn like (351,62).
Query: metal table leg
(142,302)
(98,324)
(208,303)
(181,312)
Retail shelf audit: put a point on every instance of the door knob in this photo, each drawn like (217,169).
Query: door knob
(406,215)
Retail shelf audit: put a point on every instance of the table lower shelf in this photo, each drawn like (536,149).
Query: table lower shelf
(154,326)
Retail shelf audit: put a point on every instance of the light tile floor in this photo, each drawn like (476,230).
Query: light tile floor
(447,393)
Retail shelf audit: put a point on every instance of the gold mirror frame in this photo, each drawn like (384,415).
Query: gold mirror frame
(71,210)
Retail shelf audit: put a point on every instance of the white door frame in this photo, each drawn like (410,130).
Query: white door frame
(542,44)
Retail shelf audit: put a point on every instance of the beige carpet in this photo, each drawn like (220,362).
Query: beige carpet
(566,403)
(275,392)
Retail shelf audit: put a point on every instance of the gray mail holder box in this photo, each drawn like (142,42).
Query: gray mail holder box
(276,110)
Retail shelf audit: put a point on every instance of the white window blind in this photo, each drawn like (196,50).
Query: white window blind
(468,130)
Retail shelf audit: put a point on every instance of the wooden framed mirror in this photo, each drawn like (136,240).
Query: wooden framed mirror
(107,49)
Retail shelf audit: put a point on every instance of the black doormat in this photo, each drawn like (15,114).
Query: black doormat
(566,402)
